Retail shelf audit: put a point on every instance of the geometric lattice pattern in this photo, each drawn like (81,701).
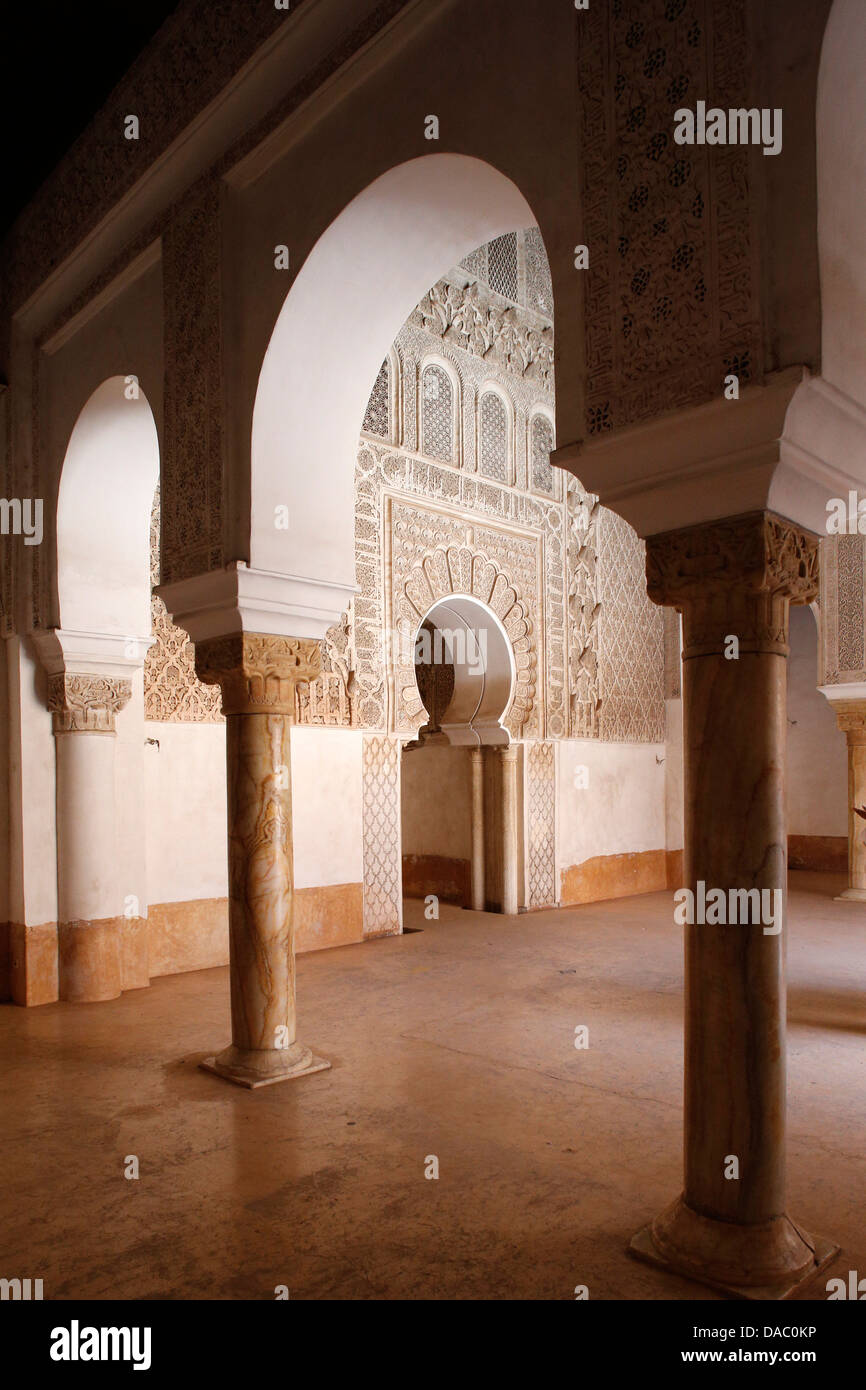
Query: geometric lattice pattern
(630,637)
(850,600)
(383,903)
(172,691)
(494,437)
(541,819)
(502,265)
(437,414)
(542,446)
(377,420)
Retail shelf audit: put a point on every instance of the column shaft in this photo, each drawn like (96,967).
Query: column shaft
(733,581)
(478,896)
(510,857)
(90,921)
(258,675)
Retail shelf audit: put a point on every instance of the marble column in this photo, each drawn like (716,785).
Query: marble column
(476,756)
(90,925)
(258,675)
(849,706)
(733,581)
(510,857)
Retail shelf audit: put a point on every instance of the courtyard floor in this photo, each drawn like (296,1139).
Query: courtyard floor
(455,1042)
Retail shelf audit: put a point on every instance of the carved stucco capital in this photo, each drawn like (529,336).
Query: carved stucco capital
(84,703)
(734,577)
(851,720)
(258,672)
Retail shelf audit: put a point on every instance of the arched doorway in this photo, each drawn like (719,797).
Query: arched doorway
(460,787)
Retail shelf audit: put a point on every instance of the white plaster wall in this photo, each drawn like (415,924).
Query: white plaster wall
(436,801)
(185,782)
(5,790)
(621,811)
(131,804)
(33,835)
(327,806)
(817,780)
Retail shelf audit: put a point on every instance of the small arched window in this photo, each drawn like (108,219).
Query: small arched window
(378,417)
(493,437)
(437,413)
(541,447)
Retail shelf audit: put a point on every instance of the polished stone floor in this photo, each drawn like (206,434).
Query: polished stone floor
(456,1042)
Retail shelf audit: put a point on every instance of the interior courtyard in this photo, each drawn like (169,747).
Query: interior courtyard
(433,662)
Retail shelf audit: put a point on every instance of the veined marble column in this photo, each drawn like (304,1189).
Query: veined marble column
(509,829)
(849,706)
(734,579)
(90,928)
(258,674)
(476,756)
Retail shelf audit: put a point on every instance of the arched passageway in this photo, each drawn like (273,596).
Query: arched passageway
(94,660)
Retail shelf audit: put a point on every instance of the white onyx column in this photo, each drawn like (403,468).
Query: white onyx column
(476,756)
(733,581)
(258,675)
(90,921)
(510,857)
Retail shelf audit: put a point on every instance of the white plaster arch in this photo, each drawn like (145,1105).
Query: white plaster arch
(109,476)
(476,644)
(348,302)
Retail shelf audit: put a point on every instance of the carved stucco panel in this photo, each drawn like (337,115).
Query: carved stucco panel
(541,823)
(383,869)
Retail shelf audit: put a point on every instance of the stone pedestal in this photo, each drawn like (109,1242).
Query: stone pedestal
(476,756)
(510,857)
(849,706)
(733,581)
(258,675)
(90,926)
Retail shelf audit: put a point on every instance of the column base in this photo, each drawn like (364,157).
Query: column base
(768,1262)
(851,895)
(252,1069)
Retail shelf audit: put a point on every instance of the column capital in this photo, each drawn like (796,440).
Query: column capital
(82,702)
(851,719)
(258,672)
(735,576)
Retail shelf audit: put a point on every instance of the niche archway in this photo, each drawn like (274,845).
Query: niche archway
(461,809)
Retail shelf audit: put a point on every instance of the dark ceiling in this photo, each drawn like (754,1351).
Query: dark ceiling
(58,64)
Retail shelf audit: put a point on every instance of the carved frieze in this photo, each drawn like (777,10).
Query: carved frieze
(843,608)
(630,639)
(470,317)
(672,288)
(172,691)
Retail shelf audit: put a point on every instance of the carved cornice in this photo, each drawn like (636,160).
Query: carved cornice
(258,672)
(734,577)
(86,704)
